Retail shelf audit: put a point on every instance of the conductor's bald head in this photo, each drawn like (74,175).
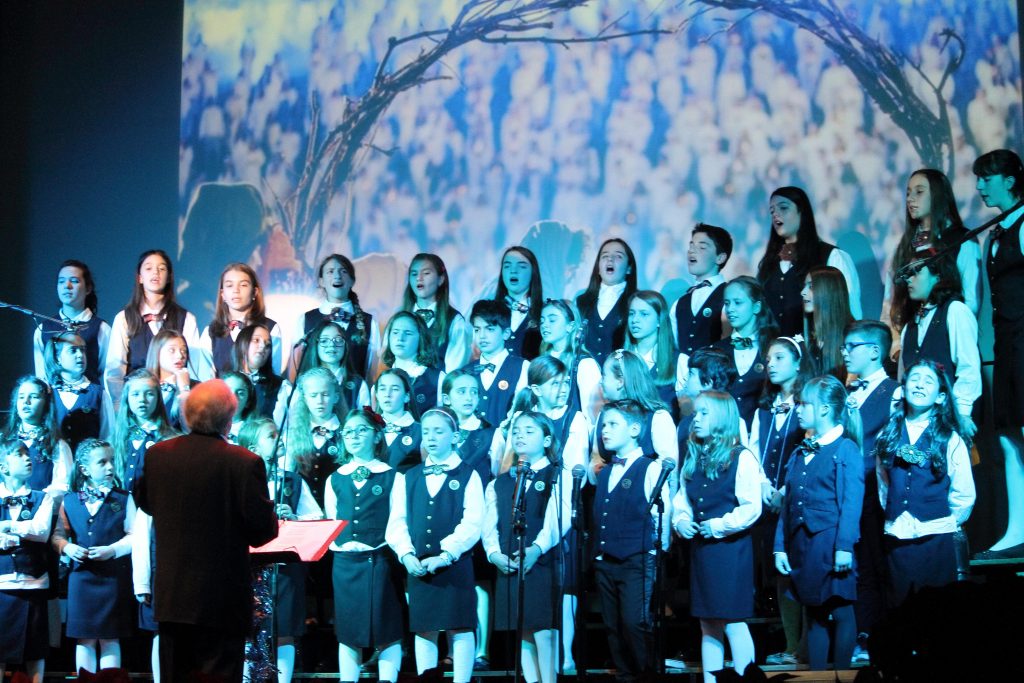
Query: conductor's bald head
(209,407)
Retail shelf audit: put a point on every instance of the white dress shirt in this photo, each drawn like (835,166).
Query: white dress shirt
(36,529)
(466,532)
(102,343)
(548,536)
(698,298)
(331,498)
(962,328)
(961,491)
(487,376)
(748,495)
(608,296)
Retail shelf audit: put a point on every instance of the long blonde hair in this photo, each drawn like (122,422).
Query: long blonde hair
(713,454)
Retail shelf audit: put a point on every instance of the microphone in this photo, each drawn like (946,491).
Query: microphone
(578,472)
(667,465)
(523,477)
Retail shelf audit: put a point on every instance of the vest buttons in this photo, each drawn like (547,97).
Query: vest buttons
(355,521)
(430,531)
(357,507)
(430,516)
(429,546)
(430,502)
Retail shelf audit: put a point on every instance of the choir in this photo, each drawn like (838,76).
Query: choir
(807,477)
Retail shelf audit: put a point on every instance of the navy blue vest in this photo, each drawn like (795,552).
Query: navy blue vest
(367,509)
(89,332)
(874,416)
(747,388)
(30,557)
(432,519)
(103,528)
(777,445)
(475,450)
(782,290)
(935,346)
(697,331)
(138,344)
(42,468)
(358,339)
(424,389)
(646,440)
(538,492)
(604,335)
(1006,276)
(713,498)
(525,340)
(267,387)
(496,401)
(323,463)
(916,487)
(404,451)
(83,419)
(622,520)
(135,461)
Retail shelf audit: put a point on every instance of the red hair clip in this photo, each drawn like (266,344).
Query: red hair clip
(374,417)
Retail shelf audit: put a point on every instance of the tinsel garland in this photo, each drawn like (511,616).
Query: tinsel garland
(259,662)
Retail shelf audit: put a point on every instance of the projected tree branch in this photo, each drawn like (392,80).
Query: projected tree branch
(330,161)
(876,67)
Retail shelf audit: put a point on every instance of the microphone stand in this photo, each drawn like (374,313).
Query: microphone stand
(519,530)
(915,266)
(659,602)
(579,528)
(39,317)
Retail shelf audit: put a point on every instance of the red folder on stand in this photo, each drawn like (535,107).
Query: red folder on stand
(299,541)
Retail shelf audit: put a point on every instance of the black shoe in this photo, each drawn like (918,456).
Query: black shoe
(481,664)
(1011,553)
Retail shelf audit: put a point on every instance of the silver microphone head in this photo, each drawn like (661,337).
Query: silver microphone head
(668,464)
(579,471)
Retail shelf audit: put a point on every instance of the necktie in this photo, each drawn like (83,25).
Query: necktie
(426,315)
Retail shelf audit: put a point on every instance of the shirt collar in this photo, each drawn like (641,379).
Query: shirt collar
(83,317)
(632,455)
(326,307)
(497,358)
(375,466)
(1012,218)
(876,376)
(831,435)
(612,291)
(411,367)
(334,424)
(23,491)
(403,420)
(451,462)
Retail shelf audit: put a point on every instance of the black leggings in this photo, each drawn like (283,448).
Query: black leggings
(842,633)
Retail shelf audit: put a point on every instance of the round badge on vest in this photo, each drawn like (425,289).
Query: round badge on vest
(706,312)
(333,450)
(539,486)
(626,483)
(454,485)
(503,385)
(420,398)
(25,514)
(377,489)
(406,440)
(759,367)
(115,506)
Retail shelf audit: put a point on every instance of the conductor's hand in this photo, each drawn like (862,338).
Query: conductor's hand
(782,564)
(413,565)
(144,598)
(967,427)
(503,562)
(432,564)
(284,511)
(844,561)
(688,530)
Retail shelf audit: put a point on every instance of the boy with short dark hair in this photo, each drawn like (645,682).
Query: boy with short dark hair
(697,315)
(502,374)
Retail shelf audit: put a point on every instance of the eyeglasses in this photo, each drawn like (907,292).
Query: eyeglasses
(355,432)
(850,346)
(337,342)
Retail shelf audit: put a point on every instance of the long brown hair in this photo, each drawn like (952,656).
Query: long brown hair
(173,314)
(257,313)
(825,328)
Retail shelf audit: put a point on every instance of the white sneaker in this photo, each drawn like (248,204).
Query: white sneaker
(860,656)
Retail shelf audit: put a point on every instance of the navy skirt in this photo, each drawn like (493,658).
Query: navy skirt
(369,605)
(917,563)
(100,600)
(811,557)
(443,601)
(722,577)
(540,598)
(24,634)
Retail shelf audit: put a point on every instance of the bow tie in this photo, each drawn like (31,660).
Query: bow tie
(517,306)
(426,315)
(810,445)
(781,408)
(699,285)
(616,460)
(858,384)
(787,253)
(90,494)
(235,324)
(997,232)
(392,428)
(79,387)
(257,377)
(169,388)
(361,473)
(742,342)
(152,318)
(322,431)
(11,501)
(922,312)
(435,469)
(340,315)
(486,367)
(29,433)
